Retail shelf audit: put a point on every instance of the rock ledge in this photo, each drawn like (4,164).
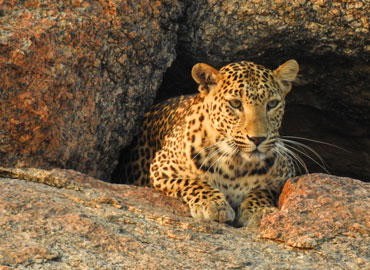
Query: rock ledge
(61,219)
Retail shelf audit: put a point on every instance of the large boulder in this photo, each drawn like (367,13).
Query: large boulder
(62,219)
(317,208)
(226,30)
(329,102)
(75,77)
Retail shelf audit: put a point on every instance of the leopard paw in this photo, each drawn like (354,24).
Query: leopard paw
(253,219)
(220,211)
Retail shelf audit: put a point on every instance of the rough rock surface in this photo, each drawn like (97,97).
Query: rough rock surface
(62,219)
(318,208)
(76,76)
(224,30)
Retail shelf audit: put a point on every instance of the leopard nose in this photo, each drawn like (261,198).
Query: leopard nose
(257,140)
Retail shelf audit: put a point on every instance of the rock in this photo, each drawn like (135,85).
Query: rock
(62,219)
(223,31)
(318,209)
(76,76)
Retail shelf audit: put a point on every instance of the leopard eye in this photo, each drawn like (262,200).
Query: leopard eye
(272,104)
(235,103)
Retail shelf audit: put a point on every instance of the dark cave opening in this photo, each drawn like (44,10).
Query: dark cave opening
(341,141)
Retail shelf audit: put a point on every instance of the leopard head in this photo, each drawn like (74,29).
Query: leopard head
(245,104)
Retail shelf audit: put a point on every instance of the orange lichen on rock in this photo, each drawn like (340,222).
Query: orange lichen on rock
(64,81)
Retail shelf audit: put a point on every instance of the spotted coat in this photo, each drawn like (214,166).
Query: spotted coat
(219,150)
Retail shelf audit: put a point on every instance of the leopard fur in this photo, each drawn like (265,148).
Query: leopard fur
(219,150)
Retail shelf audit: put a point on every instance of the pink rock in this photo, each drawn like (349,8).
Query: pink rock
(317,208)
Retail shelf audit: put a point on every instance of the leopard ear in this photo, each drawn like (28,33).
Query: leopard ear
(285,74)
(206,76)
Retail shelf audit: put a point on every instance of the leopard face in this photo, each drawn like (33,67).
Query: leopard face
(245,104)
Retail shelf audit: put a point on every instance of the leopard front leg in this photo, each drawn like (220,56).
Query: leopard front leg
(205,202)
(256,205)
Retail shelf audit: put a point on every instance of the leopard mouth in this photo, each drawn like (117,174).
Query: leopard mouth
(251,149)
(251,152)
(253,156)
(257,154)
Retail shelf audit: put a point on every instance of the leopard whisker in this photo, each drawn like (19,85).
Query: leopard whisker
(309,157)
(305,147)
(226,157)
(316,141)
(209,157)
(205,148)
(281,153)
(323,164)
(293,155)
(217,149)
(217,159)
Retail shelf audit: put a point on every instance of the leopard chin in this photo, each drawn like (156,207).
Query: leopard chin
(254,157)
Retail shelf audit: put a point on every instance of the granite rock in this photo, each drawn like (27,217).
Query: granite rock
(225,30)
(62,219)
(76,76)
(318,208)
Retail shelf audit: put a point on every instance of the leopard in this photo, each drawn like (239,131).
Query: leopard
(218,150)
